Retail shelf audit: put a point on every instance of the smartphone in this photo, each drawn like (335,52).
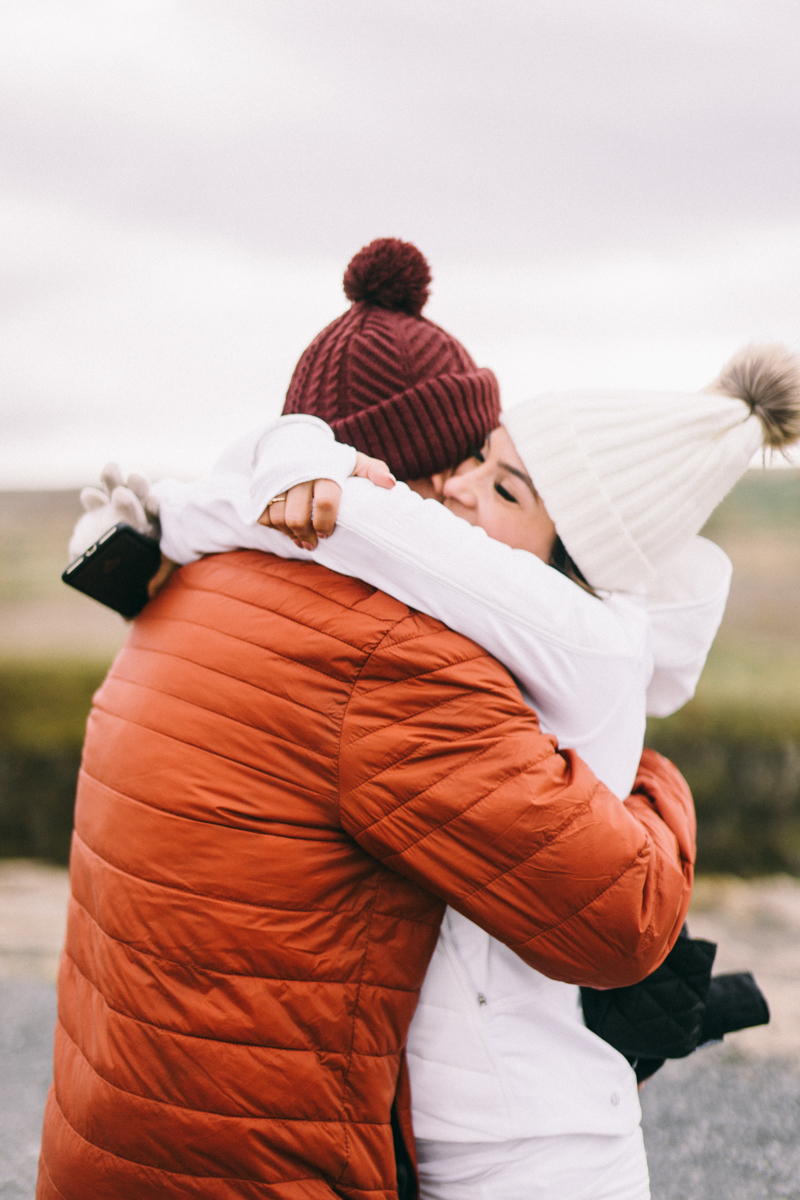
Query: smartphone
(117,569)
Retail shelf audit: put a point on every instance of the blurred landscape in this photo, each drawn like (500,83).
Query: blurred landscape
(756,658)
(737,742)
(40,617)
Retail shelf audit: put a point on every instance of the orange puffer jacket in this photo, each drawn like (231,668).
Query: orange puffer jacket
(286,775)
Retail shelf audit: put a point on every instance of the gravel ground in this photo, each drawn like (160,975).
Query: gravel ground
(721,1125)
(27,1016)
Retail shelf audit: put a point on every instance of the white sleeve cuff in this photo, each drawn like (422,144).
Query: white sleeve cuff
(294,450)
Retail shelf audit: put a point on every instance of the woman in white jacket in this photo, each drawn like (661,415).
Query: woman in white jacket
(512,1096)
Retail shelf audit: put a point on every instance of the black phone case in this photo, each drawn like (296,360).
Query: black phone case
(117,569)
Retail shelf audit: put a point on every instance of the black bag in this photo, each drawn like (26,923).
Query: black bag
(676,1009)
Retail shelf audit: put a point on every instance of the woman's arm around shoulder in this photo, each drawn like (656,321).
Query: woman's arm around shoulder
(577,657)
(220,511)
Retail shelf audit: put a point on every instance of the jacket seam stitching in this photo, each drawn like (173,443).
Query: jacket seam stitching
(449,699)
(257,575)
(207,1111)
(266,733)
(356,1005)
(182,620)
(43,1164)
(583,808)
(367,779)
(451,662)
(578,811)
(169,654)
(168,812)
(229,975)
(188,1174)
(476,891)
(192,745)
(303,587)
(578,911)
(443,824)
(200,1037)
(345,608)
(228,899)
(201,895)
(346,710)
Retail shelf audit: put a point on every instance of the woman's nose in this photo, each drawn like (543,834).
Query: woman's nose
(461,489)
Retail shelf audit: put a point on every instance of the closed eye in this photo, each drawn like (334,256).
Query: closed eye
(501,491)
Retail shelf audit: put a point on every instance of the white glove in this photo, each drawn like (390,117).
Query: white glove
(129,500)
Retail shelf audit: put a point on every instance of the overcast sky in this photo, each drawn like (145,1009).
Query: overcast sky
(608,193)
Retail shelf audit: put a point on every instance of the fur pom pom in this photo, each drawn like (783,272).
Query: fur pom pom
(391,274)
(768,379)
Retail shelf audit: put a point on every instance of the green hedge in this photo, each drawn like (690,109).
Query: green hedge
(743,768)
(43,709)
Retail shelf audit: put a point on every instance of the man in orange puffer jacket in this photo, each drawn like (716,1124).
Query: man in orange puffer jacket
(286,776)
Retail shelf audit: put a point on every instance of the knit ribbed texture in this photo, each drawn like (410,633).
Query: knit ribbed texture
(397,387)
(629,477)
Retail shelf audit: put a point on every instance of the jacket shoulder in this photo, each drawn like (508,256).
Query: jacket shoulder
(318,599)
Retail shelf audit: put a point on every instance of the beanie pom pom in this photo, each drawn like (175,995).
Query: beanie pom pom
(767,378)
(391,274)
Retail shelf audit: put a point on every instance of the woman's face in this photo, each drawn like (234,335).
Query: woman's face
(494,490)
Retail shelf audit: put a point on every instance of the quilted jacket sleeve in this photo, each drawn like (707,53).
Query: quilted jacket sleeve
(446,778)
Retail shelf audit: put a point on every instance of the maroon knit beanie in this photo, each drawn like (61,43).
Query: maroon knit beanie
(387,380)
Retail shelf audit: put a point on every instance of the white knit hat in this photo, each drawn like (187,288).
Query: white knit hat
(629,477)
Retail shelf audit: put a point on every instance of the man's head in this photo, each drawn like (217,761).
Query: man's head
(389,381)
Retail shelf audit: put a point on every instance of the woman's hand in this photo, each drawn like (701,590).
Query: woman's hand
(117,499)
(308,511)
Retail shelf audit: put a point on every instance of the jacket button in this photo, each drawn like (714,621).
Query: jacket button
(615,1097)
(481,998)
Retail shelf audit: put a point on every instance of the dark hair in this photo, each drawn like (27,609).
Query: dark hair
(567,566)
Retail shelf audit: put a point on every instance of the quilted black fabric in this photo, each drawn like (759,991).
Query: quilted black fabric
(733,1002)
(676,1009)
(661,1017)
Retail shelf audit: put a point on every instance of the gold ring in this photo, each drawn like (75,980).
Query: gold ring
(277,499)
